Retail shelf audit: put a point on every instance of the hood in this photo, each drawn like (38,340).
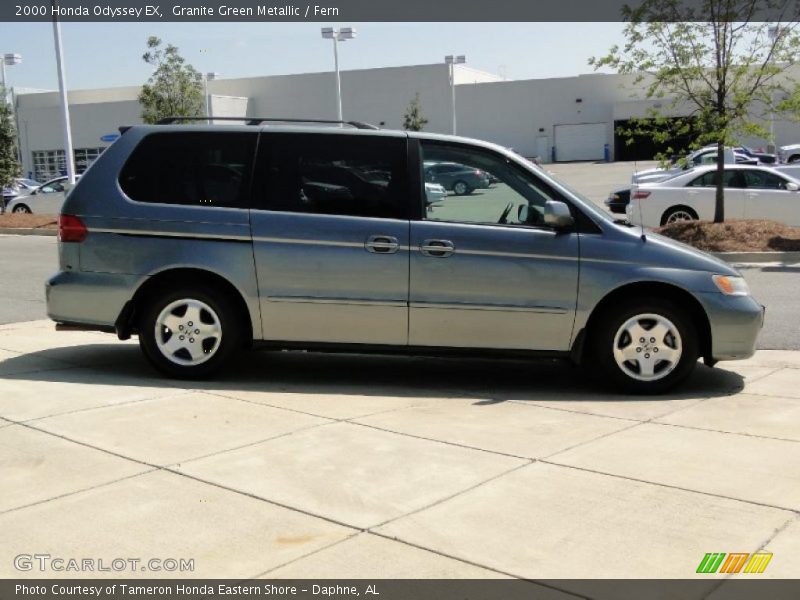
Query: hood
(683,255)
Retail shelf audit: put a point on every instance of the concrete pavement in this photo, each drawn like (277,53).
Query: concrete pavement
(306,465)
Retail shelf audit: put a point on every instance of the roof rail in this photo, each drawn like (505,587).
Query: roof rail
(260,120)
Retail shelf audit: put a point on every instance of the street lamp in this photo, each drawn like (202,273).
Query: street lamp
(69,157)
(451,61)
(9,60)
(772,32)
(338,35)
(211,76)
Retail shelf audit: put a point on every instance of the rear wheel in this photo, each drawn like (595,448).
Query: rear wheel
(189,333)
(461,188)
(646,346)
(677,214)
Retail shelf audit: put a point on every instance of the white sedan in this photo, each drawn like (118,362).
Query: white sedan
(47,199)
(750,193)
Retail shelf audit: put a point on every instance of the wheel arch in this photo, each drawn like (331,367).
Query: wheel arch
(639,289)
(665,214)
(178,277)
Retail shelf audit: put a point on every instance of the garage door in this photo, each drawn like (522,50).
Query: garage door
(581,141)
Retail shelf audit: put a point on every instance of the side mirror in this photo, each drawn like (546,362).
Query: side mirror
(557,215)
(792,186)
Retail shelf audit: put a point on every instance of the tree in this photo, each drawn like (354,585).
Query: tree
(414,120)
(718,60)
(174,89)
(9,163)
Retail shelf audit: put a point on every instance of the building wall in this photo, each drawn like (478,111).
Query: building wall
(515,113)
(519,114)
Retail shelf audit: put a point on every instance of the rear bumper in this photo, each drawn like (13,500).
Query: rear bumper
(95,299)
(735,324)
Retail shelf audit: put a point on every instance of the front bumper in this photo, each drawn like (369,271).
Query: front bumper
(735,324)
(89,298)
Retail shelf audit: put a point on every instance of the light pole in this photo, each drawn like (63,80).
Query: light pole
(9,60)
(338,35)
(772,32)
(206,78)
(451,61)
(69,157)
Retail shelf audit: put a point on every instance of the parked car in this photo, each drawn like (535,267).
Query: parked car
(750,193)
(21,186)
(434,193)
(617,200)
(204,240)
(703,156)
(45,199)
(762,158)
(457,178)
(789,153)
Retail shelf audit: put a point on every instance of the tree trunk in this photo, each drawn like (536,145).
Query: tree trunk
(719,203)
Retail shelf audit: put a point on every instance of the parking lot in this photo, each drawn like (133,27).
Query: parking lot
(305,465)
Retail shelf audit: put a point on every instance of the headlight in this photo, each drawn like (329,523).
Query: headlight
(731,286)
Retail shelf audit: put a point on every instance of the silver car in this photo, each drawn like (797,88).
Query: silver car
(206,240)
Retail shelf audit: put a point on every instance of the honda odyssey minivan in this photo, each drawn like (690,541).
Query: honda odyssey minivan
(205,240)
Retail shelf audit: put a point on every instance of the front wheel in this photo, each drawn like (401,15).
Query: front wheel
(21,209)
(189,333)
(647,346)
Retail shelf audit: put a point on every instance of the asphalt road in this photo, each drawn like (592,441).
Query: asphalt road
(27,261)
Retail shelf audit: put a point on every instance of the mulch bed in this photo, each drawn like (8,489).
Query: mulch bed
(735,236)
(26,221)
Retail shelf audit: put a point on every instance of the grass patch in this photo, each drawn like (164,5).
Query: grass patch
(735,236)
(27,221)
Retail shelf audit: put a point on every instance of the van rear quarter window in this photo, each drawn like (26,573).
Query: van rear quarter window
(192,168)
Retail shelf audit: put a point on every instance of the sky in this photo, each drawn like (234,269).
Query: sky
(109,54)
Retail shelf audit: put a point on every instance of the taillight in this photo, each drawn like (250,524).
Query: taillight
(71,229)
(640,194)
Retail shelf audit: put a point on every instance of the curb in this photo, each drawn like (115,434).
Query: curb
(20,231)
(758,257)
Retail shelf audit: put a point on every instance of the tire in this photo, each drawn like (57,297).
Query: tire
(615,352)
(22,209)
(793,158)
(676,214)
(209,343)
(461,188)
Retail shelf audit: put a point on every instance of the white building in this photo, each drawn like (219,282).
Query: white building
(563,119)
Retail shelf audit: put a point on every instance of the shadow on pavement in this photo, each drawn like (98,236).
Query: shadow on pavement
(488,381)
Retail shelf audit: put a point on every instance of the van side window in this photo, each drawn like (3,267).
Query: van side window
(332,174)
(191,168)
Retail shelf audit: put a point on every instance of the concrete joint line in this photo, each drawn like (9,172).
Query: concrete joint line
(672,487)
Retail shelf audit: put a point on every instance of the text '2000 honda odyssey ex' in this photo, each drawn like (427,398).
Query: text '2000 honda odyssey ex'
(203,239)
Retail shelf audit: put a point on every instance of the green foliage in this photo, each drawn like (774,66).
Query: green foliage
(713,67)
(414,120)
(9,164)
(174,89)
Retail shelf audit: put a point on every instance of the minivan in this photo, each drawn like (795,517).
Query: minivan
(206,239)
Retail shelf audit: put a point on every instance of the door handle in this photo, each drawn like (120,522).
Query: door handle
(437,248)
(382,244)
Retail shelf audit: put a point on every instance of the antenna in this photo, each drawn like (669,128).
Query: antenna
(641,220)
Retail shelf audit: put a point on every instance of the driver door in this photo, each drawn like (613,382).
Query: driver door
(485,271)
